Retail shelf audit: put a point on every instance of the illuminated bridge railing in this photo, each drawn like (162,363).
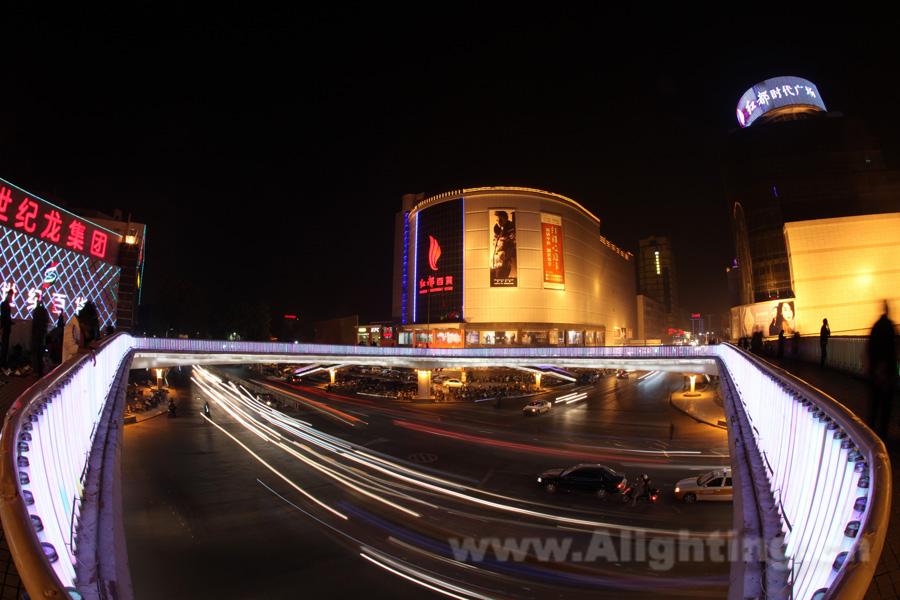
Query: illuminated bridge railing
(44,457)
(826,474)
(829,476)
(282,349)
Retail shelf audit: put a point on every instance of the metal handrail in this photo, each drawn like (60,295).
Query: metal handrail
(854,580)
(35,570)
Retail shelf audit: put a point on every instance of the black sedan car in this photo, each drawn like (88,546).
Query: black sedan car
(595,479)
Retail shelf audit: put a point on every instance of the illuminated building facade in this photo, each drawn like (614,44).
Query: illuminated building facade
(792,161)
(509,266)
(793,169)
(51,255)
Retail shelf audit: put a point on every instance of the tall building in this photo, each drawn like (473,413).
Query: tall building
(656,274)
(792,160)
(810,198)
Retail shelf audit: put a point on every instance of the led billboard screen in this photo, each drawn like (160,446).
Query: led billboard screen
(775,93)
(504,263)
(63,279)
(439,263)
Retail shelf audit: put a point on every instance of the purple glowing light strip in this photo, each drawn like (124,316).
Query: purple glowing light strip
(415,315)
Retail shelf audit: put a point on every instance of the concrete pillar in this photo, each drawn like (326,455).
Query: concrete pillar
(693,381)
(537,380)
(424,384)
(333,374)
(462,375)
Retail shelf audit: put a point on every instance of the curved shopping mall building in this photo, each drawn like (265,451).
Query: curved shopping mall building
(508,266)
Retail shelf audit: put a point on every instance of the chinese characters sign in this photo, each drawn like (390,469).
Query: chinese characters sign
(776,93)
(552,252)
(63,280)
(26,214)
(502,244)
(439,263)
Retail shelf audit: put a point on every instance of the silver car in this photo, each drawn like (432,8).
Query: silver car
(537,407)
(713,486)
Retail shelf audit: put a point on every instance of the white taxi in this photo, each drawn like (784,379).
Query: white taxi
(713,486)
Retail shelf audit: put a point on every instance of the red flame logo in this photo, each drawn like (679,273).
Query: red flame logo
(434,253)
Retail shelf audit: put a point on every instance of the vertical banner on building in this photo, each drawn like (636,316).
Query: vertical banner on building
(502,244)
(552,252)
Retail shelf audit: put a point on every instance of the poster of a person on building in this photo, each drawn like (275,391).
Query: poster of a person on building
(504,271)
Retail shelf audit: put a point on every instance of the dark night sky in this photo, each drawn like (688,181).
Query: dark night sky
(268,153)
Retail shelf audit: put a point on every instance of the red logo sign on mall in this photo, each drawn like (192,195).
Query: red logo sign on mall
(434,253)
(435,283)
(695,315)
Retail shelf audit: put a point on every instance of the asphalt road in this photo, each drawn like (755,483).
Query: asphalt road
(366,496)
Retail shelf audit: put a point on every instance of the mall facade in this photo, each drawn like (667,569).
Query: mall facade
(508,266)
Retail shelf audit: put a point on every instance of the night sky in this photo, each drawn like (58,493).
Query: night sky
(268,153)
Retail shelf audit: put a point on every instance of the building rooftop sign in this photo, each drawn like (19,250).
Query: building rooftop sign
(24,212)
(776,93)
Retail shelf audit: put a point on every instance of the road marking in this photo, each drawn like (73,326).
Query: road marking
(422,458)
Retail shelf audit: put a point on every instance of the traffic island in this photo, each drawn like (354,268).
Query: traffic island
(701,405)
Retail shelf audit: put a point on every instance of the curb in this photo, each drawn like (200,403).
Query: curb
(722,424)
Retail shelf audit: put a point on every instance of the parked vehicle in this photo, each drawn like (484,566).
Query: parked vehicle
(453,383)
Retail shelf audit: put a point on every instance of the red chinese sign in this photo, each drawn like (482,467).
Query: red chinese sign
(21,212)
(552,251)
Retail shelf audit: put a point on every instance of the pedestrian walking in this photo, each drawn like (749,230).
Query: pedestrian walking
(781,341)
(72,338)
(40,319)
(882,354)
(5,327)
(824,334)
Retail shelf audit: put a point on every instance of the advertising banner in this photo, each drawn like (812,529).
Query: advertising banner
(439,263)
(552,252)
(769,317)
(502,244)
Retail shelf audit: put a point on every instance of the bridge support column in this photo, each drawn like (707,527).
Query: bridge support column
(462,375)
(424,392)
(537,380)
(332,373)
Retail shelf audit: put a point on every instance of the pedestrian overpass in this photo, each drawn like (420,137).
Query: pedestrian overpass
(812,482)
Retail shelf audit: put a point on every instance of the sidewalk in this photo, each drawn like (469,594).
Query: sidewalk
(853,393)
(136,417)
(706,407)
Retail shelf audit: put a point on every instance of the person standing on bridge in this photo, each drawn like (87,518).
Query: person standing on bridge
(5,326)
(40,319)
(824,334)
(882,354)
(72,338)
